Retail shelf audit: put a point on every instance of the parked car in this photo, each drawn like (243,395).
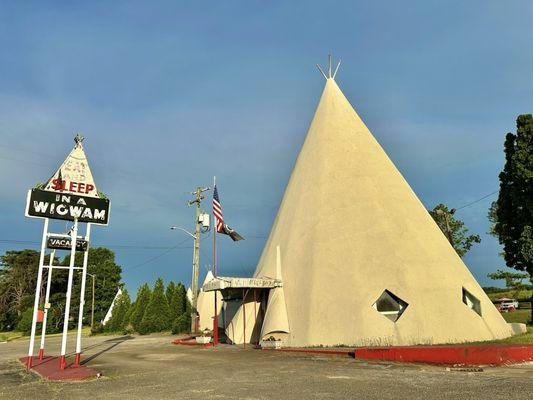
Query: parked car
(507,305)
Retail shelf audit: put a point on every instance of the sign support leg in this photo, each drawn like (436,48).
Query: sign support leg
(37,295)
(82,296)
(46,300)
(74,236)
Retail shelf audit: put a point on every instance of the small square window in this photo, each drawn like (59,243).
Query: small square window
(471,301)
(390,305)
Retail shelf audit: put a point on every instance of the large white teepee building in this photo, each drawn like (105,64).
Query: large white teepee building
(359,258)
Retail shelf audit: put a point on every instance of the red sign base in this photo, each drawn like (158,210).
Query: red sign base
(49,369)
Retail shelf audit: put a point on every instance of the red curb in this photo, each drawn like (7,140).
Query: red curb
(450,355)
(49,368)
(439,355)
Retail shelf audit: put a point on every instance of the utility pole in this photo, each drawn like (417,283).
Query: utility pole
(196,253)
(446,215)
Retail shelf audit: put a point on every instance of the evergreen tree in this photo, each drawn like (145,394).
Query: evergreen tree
(117,322)
(141,303)
(157,315)
(177,303)
(171,288)
(512,213)
(182,324)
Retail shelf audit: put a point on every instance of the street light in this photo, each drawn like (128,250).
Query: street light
(173,228)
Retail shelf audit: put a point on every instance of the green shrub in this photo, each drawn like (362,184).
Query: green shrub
(24,325)
(97,329)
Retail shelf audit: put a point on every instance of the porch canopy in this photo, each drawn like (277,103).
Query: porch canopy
(223,283)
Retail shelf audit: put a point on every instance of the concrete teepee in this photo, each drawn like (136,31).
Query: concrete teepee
(362,261)
(206,305)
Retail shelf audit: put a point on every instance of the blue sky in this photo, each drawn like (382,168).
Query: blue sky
(169,94)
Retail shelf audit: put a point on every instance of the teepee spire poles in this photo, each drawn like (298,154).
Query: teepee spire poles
(336,69)
(330,74)
(322,72)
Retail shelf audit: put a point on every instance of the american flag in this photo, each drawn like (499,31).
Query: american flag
(217,210)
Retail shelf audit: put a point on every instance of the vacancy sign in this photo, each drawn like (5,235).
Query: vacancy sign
(70,193)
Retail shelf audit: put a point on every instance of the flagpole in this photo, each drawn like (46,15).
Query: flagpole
(215,272)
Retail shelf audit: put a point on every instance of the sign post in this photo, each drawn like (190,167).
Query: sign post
(37,293)
(46,302)
(82,296)
(74,233)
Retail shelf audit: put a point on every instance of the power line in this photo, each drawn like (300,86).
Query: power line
(158,256)
(477,201)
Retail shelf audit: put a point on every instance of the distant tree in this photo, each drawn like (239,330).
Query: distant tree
(24,324)
(141,303)
(117,322)
(157,315)
(512,213)
(101,263)
(454,229)
(18,276)
(513,280)
(178,302)
(169,292)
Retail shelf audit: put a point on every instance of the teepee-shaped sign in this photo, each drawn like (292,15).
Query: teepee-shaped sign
(70,193)
(363,261)
(74,175)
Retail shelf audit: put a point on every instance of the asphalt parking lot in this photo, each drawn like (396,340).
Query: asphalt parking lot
(150,367)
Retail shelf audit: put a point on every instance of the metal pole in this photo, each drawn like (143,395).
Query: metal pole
(74,236)
(215,270)
(82,295)
(243,320)
(196,260)
(46,300)
(92,307)
(37,293)
(255,313)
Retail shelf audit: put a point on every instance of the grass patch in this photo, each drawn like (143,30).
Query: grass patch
(522,316)
(9,336)
(14,335)
(525,338)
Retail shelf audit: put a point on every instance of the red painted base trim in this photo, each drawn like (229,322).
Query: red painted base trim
(77,359)
(29,362)
(440,355)
(41,354)
(49,368)
(450,355)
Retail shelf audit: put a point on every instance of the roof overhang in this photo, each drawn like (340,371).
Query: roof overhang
(222,283)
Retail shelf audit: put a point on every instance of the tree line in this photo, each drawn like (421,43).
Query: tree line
(154,310)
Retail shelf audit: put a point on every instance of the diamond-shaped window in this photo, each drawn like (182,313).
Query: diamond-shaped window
(471,301)
(390,305)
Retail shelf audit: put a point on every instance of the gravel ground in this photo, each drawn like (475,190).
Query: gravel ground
(149,367)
